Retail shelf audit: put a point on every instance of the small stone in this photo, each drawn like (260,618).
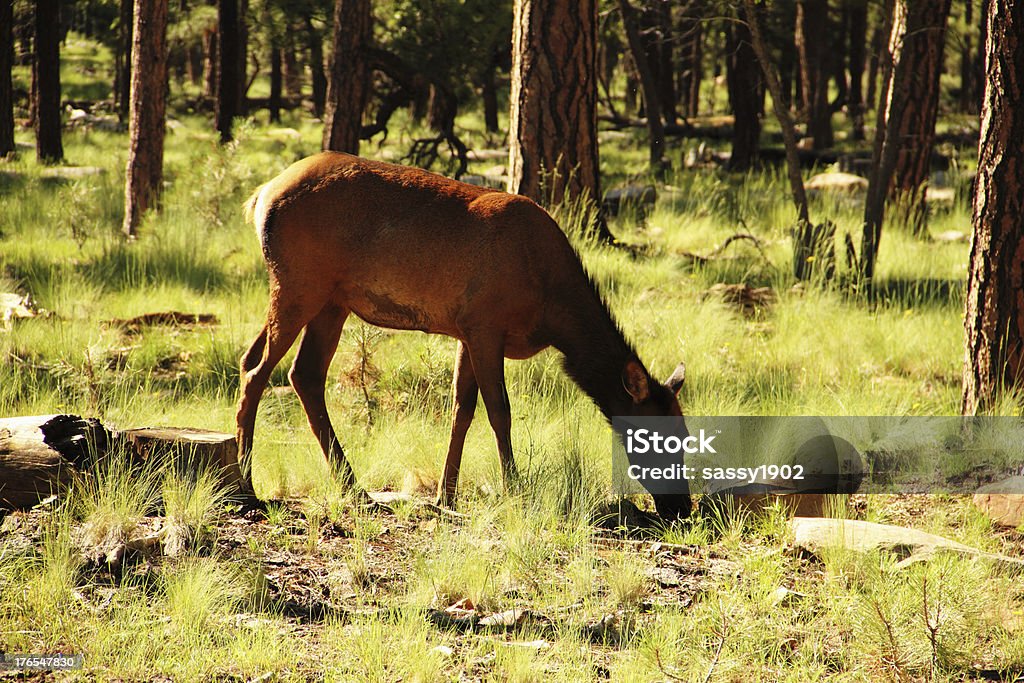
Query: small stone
(1003,501)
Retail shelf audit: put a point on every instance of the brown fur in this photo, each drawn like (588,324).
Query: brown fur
(406,249)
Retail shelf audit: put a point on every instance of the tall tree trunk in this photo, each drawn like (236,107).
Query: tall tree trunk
(489,95)
(858,34)
(227,72)
(978,81)
(812,37)
(274,103)
(664,51)
(796,181)
(967,62)
(743,76)
(123,62)
(242,53)
(144,173)
(652,101)
(553,150)
(293,76)
(316,66)
(891,102)
(922,48)
(348,88)
(994,318)
(211,62)
(691,34)
(49,147)
(6,85)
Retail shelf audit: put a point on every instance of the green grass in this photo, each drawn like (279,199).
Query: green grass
(206,612)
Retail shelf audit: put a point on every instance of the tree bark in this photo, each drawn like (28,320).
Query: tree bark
(49,147)
(691,71)
(994,317)
(796,181)
(6,84)
(274,103)
(211,62)
(652,100)
(553,150)
(227,71)
(144,173)
(743,76)
(316,65)
(812,36)
(123,62)
(242,55)
(892,98)
(922,50)
(292,67)
(858,34)
(489,95)
(348,87)
(664,63)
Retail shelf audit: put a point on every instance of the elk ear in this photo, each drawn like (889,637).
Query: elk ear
(675,382)
(634,378)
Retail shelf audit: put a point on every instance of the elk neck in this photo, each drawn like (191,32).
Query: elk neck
(595,350)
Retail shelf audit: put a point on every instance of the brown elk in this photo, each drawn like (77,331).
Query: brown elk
(406,249)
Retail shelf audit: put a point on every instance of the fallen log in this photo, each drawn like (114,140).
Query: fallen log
(40,454)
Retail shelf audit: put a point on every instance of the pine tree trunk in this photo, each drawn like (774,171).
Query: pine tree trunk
(553,119)
(227,71)
(812,37)
(858,34)
(922,50)
(743,76)
(6,85)
(292,67)
(690,72)
(242,52)
(665,64)
(123,69)
(274,102)
(316,65)
(652,99)
(49,147)
(994,317)
(211,62)
(489,95)
(144,173)
(348,87)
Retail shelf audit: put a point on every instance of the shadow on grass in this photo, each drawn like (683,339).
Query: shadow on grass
(919,292)
(123,266)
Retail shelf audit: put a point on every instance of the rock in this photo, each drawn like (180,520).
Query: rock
(910,545)
(641,197)
(284,134)
(1003,501)
(940,196)
(839,183)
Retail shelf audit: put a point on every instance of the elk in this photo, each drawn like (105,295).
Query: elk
(406,249)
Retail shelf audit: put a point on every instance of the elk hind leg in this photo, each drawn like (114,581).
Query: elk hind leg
(308,376)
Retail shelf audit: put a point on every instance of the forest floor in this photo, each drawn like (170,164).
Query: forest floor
(515,587)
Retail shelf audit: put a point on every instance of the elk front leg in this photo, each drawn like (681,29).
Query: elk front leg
(488,357)
(464,394)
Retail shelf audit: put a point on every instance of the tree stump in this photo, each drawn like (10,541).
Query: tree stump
(40,453)
(188,449)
